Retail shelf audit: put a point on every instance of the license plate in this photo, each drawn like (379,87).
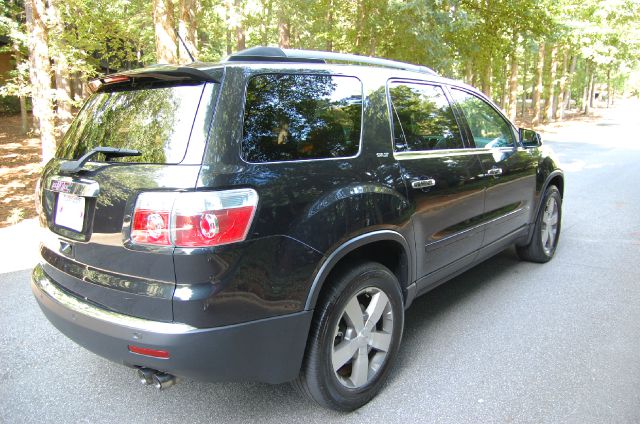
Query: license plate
(70,211)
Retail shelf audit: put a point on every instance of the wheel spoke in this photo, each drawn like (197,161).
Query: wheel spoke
(545,235)
(353,314)
(553,220)
(360,370)
(375,309)
(380,341)
(343,353)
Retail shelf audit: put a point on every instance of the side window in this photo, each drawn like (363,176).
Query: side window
(488,128)
(293,117)
(422,118)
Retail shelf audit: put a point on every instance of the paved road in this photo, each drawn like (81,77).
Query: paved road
(505,342)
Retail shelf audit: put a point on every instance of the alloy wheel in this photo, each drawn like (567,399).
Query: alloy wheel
(362,338)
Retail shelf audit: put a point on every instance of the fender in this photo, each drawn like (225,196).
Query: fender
(546,183)
(349,246)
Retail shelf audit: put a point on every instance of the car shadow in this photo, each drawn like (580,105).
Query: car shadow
(249,401)
(419,320)
(422,316)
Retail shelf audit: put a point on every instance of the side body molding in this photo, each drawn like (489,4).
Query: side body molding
(349,246)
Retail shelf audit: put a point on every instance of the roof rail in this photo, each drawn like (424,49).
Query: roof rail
(276,54)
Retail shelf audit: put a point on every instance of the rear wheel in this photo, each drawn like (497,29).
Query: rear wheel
(546,231)
(354,338)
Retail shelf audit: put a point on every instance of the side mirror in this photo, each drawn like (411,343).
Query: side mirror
(530,138)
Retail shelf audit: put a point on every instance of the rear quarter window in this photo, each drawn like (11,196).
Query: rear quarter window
(301,116)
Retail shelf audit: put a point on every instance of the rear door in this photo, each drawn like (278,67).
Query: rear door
(87,214)
(508,171)
(441,175)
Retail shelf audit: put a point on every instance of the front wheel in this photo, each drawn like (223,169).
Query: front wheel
(546,231)
(354,338)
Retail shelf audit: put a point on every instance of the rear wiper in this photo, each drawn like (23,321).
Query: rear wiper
(109,152)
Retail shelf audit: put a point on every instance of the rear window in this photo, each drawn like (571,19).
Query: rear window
(422,118)
(156,121)
(297,117)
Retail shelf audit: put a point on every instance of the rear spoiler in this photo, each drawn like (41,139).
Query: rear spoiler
(156,72)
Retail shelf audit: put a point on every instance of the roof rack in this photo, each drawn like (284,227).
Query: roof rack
(276,54)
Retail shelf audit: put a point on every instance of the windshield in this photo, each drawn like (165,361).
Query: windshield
(156,121)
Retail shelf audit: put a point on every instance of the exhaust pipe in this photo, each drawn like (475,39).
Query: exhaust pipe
(163,381)
(145,375)
(151,377)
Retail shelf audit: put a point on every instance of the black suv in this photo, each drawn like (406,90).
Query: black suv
(271,217)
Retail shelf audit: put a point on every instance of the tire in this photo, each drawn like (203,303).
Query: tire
(334,335)
(546,231)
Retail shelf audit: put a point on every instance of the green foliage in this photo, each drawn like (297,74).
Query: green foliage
(465,39)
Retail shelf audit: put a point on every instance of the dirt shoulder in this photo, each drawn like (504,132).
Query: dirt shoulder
(20,159)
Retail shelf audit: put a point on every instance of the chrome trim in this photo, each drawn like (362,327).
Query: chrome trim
(474,228)
(73,304)
(421,154)
(79,187)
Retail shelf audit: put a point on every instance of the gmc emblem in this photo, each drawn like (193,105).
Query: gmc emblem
(62,186)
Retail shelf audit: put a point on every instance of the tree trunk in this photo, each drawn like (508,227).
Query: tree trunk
(163,22)
(266,21)
(362,13)
(586,99)
(61,69)
(592,89)
(228,12)
(284,29)
(558,112)
(525,72)
(187,29)
(550,89)
(608,87)
(513,87)
(329,20)
(24,119)
(40,73)
(538,86)
(486,77)
(468,73)
(566,96)
(239,27)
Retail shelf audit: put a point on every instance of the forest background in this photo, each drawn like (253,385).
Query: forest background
(535,58)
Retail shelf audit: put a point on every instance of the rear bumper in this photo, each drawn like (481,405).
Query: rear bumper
(268,350)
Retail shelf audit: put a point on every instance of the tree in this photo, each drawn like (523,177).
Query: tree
(40,71)
(187,29)
(166,41)
(537,89)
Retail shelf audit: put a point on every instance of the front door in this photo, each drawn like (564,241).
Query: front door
(509,171)
(441,174)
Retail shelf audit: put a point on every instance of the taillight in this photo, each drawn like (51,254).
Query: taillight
(195,219)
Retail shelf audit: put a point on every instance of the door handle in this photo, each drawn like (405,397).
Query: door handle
(494,172)
(418,184)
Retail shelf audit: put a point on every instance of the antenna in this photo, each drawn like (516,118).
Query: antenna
(185,46)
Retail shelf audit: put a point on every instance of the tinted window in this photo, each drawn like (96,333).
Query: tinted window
(155,121)
(292,117)
(422,118)
(489,129)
